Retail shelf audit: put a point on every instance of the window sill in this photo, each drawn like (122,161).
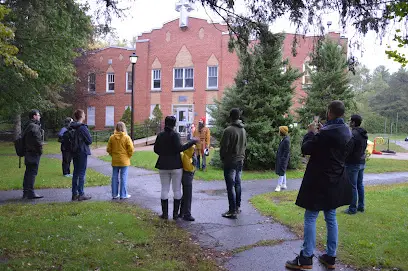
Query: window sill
(212,89)
(128,91)
(305,86)
(110,92)
(183,89)
(156,90)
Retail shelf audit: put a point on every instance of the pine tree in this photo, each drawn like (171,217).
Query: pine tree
(329,81)
(263,91)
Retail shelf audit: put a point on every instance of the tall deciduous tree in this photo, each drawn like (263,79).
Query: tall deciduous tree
(329,81)
(263,90)
(48,35)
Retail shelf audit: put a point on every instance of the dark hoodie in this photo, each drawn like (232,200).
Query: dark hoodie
(358,146)
(33,137)
(233,143)
(85,138)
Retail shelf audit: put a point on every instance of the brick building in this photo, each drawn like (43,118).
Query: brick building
(182,67)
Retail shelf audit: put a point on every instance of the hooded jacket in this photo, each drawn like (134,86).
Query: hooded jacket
(326,185)
(204,135)
(33,138)
(233,143)
(85,138)
(358,146)
(187,159)
(121,148)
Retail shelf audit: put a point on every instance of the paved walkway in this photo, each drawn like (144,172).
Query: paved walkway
(209,201)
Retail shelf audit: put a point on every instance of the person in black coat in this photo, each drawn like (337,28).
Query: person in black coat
(33,143)
(325,185)
(282,158)
(168,146)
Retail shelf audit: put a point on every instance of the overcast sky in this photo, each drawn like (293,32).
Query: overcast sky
(145,15)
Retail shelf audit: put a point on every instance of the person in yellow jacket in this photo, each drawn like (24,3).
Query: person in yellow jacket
(188,159)
(120,147)
(203,133)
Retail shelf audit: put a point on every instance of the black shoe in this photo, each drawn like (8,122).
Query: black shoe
(232,215)
(360,210)
(176,208)
(300,262)
(25,194)
(328,261)
(84,197)
(34,196)
(165,209)
(188,218)
(349,212)
(74,197)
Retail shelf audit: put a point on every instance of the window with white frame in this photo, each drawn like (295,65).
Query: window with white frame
(91,82)
(110,82)
(156,79)
(183,78)
(129,79)
(307,70)
(152,107)
(212,80)
(110,116)
(90,116)
(210,120)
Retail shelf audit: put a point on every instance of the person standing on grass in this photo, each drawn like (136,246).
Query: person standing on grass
(355,164)
(232,154)
(282,158)
(325,185)
(33,143)
(65,149)
(188,159)
(120,147)
(168,146)
(80,156)
(203,133)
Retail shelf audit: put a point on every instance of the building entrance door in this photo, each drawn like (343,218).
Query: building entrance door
(182,120)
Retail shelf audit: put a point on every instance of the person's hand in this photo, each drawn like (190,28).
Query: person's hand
(312,127)
(319,126)
(195,140)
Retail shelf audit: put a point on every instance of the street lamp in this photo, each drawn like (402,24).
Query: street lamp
(133,60)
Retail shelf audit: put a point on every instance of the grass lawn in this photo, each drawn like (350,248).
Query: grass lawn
(93,236)
(393,138)
(51,146)
(147,159)
(49,174)
(376,238)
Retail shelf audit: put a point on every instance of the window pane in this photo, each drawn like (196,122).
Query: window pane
(129,82)
(156,74)
(189,74)
(156,84)
(189,83)
(178,83)
(212,82)
(178,74)
(111,86)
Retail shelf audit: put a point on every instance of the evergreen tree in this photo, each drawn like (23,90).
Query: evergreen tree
(329,81)
(126,117)
(263,91)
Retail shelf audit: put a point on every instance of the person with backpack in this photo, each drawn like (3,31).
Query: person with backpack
(80,139)
(32,142)
(65,148)
(120,147)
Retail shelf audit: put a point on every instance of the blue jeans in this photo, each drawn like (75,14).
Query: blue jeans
(78,179)
(356,173)
(123,181)
(232,175)
(309,242)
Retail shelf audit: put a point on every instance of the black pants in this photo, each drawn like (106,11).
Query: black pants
(187,182)
(32,161)
(66,162)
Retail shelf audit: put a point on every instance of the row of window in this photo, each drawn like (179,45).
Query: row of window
(183,78)
(110,113)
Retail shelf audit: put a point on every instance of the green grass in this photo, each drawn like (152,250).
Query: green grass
(49,174)
(93,236)
(147,160)
(393,138)
(51,146)
(376,238)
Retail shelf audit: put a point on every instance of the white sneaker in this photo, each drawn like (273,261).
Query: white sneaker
(127,197)
(278,188)
(284,186)
(115,197)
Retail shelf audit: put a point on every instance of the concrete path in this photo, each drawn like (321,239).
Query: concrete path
(210,229)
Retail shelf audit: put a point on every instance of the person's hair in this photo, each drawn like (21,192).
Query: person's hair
(357,119)
(337,108)
(67,121)
(79,113)
(33,113)
(234,114)
(170,122)
(121,127)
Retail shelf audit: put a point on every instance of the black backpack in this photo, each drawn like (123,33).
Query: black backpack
(19,146)
(70,140)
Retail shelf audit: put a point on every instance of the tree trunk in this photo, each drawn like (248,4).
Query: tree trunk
(17,125)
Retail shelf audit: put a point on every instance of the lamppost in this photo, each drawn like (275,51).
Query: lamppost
(133,60)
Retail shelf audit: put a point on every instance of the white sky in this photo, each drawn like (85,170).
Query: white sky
(145,15)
